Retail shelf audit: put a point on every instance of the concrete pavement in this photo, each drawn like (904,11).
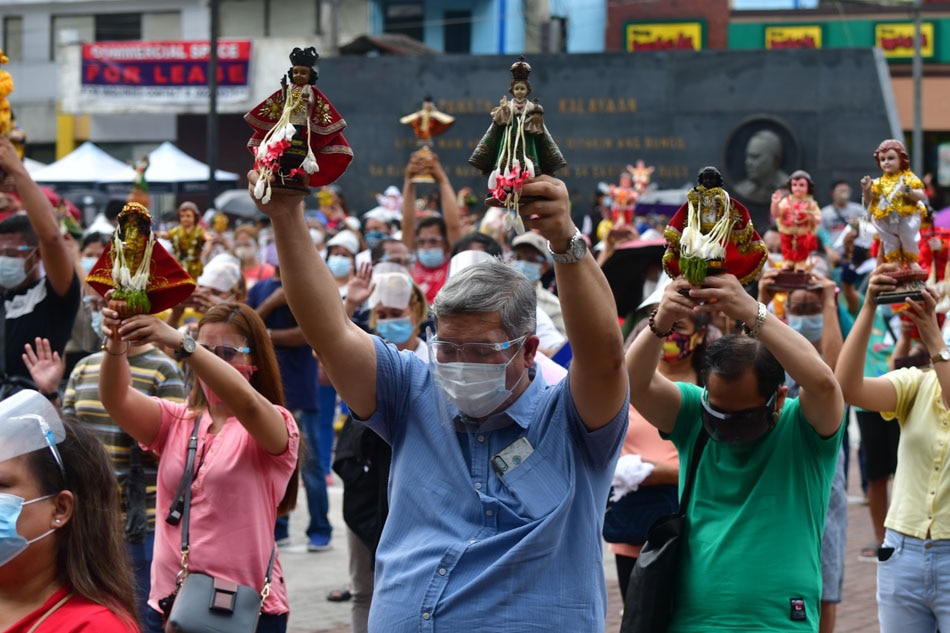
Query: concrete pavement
(311,576)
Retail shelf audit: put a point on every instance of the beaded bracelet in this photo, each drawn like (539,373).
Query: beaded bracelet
(652,324)
(759,322)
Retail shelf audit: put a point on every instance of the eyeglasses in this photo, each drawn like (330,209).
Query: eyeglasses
(226,352)
(429,241)
(742,426)
(22,251)
(447,352)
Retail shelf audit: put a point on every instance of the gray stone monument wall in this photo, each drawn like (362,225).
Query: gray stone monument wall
(678,111)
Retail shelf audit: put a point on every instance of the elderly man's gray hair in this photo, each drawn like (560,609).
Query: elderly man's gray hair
(490,286)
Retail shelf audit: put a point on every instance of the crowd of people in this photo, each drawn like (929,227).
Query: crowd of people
(471,389)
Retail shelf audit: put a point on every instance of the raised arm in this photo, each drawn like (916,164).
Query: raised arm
(819,397)
(258,415)
(597,381)
(653,395)
(136,413)
(55,255)
(872,393)
(408,227)
(449,201)
(346,352)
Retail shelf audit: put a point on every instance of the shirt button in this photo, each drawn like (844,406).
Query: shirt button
(442,571)
(426,616)
(478,485)
(489,512)
(481,438)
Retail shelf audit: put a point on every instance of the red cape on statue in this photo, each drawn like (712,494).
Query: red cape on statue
(331,149)
(168,283)
(746,253)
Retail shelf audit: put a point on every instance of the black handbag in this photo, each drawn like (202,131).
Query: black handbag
(203,603)
(648,605)
(628,519)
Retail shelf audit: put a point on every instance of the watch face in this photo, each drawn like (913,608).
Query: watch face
(578,247)
(188,345)
(945,354)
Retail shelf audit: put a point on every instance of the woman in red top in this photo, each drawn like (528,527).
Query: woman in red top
(63,566)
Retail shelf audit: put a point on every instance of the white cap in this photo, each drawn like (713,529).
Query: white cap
(535,240)
(351,223)
(222,273)
(346,239)
(30,423)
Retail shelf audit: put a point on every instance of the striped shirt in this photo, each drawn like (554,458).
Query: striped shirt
(154,373)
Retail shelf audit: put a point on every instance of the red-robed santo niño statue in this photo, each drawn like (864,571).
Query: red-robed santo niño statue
(298,138)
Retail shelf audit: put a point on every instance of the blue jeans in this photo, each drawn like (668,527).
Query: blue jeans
(140,555)
(314,481)
(267,624)
(912,594)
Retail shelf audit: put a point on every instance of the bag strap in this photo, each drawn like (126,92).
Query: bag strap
(184,493)
(698,448)
(50,612)
(182,501)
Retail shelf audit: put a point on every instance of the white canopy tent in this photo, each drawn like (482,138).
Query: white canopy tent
(171,170)
(32,166)
(84,167)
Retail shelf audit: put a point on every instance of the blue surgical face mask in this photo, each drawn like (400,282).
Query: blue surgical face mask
(531,270)
(11,543)
(373,237)
(87,263)
(809,325)
(95,321)
(12,271)
(397,330)
(431,257)
(339,265)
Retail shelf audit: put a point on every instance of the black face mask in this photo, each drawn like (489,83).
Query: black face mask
(743,428)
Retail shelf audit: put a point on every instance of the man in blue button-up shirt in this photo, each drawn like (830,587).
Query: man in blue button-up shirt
(498,481)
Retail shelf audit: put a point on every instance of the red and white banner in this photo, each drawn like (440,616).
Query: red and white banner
(164,72)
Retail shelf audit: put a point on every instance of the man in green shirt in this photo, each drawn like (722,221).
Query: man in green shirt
(751,557)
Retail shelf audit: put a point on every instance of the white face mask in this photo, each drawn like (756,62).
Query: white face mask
(245,251)
(476,389)
(12,271)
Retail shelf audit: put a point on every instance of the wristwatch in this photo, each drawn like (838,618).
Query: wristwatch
(941,356)
(576,250)
(186,349)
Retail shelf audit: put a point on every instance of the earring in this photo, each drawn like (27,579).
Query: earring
(57,521)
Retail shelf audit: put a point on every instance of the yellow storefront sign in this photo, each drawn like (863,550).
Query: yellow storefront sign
(777,37)
(663,36)
(897,39)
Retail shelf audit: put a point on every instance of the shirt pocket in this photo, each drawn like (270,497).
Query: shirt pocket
(539,485)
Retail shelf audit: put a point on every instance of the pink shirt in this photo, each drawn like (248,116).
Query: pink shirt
(234,502)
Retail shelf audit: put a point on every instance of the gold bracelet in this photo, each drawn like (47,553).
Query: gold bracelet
(760,317)
(652,324)
(105,348)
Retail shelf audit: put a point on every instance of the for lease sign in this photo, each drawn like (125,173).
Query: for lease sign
(173,71)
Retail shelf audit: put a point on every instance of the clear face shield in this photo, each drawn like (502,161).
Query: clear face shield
(29,423)
(471,379)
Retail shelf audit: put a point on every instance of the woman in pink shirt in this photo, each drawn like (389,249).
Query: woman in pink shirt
(247,448)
